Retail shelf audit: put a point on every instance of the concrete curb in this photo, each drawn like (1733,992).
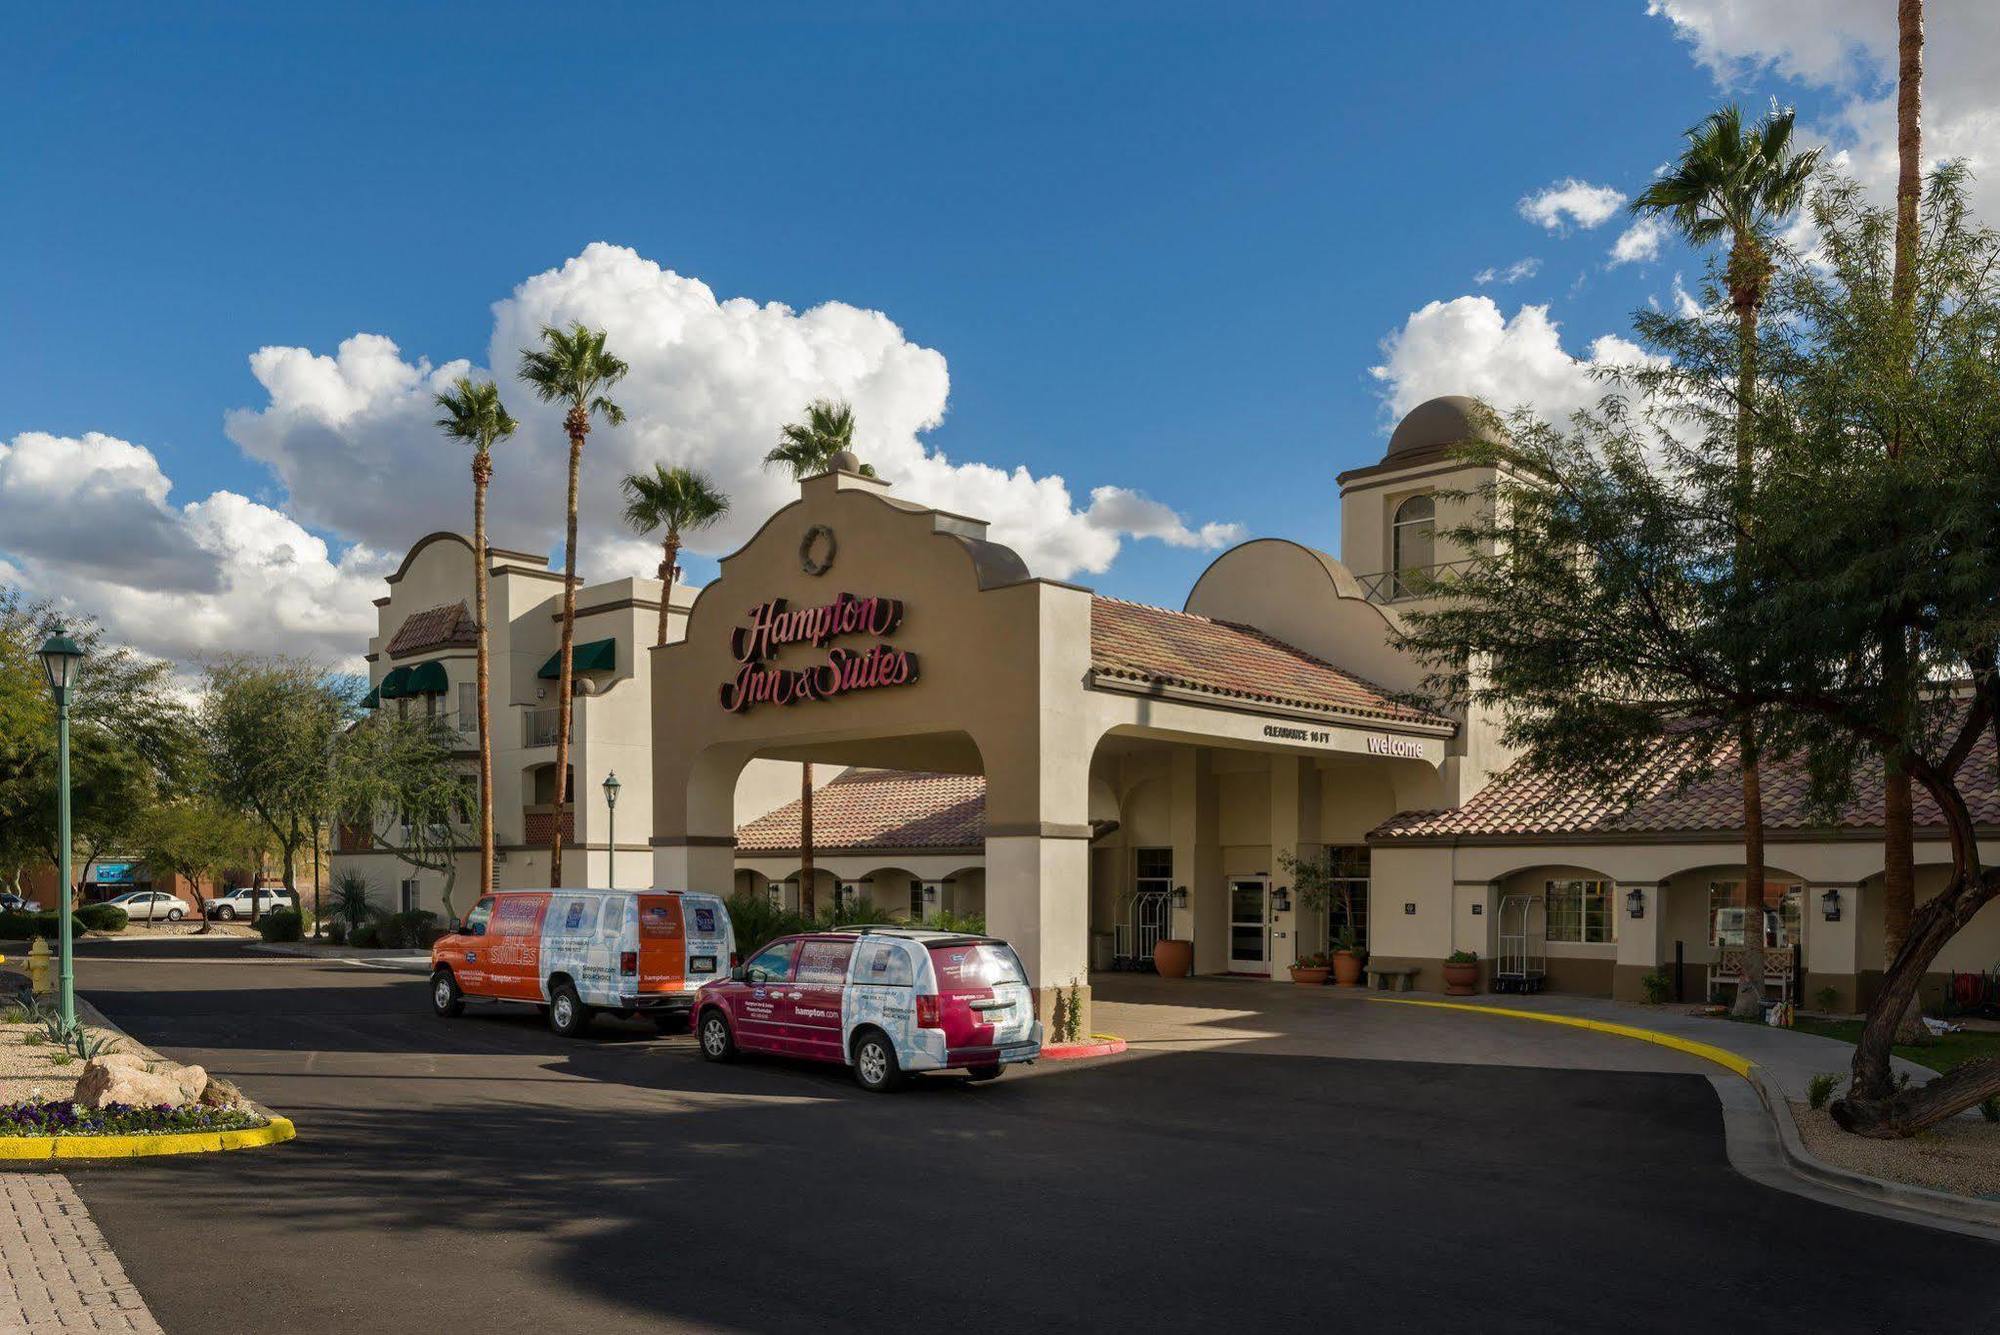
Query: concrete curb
(398,961)
(1855,1191)
(1107,1045)
(20,1148)
(1983,1215)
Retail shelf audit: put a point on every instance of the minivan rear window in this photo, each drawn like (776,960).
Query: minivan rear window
(984,964)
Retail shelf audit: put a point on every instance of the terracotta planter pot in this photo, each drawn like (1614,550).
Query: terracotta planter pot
(1172,958)
(1308,977)
(1346,968)
(1461,980)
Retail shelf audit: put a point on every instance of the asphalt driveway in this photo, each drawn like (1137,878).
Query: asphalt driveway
(484,1174)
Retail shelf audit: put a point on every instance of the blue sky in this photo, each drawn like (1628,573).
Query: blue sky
(1159,255)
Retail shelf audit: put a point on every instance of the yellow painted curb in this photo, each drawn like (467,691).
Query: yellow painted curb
(1708,1052)
(276,1131)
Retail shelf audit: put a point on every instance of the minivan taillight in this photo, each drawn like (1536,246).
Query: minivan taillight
(628,963)
(927,1013)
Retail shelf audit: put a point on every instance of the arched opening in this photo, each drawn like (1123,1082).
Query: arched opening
(1706,923)
(541,809)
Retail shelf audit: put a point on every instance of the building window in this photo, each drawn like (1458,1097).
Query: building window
(1153,869)
(1348,905)
(1782,903)
(916,901)
(468,706)
(1413,542)
(409,897)
(1582,912)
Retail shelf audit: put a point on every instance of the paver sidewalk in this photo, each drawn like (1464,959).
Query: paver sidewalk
(56,1271)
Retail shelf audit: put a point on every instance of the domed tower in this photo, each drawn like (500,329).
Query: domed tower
(1393,514)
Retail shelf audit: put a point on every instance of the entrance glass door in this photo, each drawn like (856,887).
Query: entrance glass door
(1249,933)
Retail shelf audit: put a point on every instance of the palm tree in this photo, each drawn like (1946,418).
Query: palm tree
(806,448)
(573,368)
(474,414)
(1738,184)
(679,500)
(1899,870)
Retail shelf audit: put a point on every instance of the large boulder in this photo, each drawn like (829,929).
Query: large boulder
(124,1077)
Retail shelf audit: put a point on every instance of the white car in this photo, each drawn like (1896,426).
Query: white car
(236,904)
(150,906)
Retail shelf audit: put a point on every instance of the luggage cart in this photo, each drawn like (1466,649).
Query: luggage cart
(1147,915)
(1524,945)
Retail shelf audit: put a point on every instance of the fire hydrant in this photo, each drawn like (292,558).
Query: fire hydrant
(41,968)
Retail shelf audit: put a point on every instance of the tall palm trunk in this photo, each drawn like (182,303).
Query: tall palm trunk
(577,424)
(670,559)
(806,839)
(1748,265)
(1899,871)
(482,476)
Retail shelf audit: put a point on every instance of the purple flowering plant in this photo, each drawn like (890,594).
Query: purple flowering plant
(60,1117)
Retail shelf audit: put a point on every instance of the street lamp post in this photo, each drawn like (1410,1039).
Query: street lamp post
(611,830)
(61,656)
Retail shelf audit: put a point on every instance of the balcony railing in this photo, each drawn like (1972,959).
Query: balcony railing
(538,726)
(538,823)
(1396,586)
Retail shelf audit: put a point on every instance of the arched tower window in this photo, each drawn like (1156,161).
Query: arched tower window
(1413,542)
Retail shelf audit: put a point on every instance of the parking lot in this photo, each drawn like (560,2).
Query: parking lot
(1236,1171)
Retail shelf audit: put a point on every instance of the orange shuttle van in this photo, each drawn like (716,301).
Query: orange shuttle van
(577,952)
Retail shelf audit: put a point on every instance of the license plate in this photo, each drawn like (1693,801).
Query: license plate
(701,964)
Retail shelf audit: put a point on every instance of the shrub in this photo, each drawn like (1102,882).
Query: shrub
(59,1117)
(1828,998)
(757,923)
(336,932)
(1820,1088)
(971,924)
(400,931)
(1658,986)
(104,917)
(281,925)
(1462,957)
(1989,1107)
(365,937)
(351,904)
(20,926)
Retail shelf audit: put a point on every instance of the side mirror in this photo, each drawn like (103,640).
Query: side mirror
(737,974)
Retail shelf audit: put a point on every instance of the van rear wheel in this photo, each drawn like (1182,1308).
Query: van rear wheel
(446,999)
(568,1015)
(717,1043)
(875,1067)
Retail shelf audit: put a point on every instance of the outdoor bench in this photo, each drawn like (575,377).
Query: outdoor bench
(1384,979)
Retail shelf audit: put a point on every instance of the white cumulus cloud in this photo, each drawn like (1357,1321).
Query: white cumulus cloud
(1513,273)
(1469,346)
(1638,243)
(1571,202)
(351,434)
(90,522)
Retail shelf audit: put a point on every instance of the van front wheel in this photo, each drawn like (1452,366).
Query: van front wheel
(568,1015)
(446,999)
(717,1043)
(875,1067)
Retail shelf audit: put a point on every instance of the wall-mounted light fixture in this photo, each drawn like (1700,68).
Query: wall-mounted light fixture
(1829,904)
(1635,902)
(1281,899)
(1180,896)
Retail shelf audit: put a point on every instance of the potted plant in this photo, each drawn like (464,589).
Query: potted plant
(1348,958)
(1461,973)
(1320,883)
(1311,970)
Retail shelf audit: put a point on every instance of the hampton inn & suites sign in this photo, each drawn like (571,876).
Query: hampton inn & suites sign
(772,626)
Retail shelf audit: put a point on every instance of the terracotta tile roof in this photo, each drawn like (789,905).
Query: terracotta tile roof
(879,809)
(447,627)
(1513,807)
(1134,642)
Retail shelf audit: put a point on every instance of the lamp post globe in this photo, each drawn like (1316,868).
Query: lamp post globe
(611,786)
(62,657)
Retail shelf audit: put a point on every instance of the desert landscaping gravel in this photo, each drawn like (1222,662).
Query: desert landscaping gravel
(1961,1156)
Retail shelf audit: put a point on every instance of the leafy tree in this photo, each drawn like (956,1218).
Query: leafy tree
(268,729)
(1737,184)
(196,838)
(805,448)
(401,772)
(474,414)
(678,501)
(572,367)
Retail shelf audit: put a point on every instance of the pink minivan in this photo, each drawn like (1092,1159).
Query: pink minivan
(883,1000)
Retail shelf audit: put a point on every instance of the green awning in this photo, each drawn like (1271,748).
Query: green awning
(396,685)
(597,656)
(372,700)
(427,678)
